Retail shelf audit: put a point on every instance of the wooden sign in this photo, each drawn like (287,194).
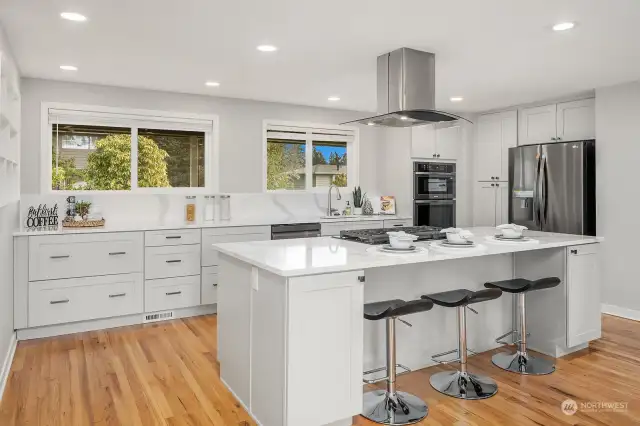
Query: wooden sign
(42,217)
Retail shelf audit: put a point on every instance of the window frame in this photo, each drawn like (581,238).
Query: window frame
(126,116)
(353,154)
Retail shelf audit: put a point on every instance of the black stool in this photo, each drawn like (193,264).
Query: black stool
(521,362)
(390,407)
(462,384)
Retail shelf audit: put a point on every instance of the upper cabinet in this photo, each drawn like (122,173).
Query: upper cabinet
(565,121)
(576,120)
(427,142)
(496,134)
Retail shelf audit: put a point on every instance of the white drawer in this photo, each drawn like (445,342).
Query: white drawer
(81,299)
(210,255)
(171,293)
(172,261)
(173,237)
(394,223)
(209,285)
(237,230)
(334,228)
(84,255)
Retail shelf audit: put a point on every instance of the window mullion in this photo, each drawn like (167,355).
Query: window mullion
(134,158)
(309,163)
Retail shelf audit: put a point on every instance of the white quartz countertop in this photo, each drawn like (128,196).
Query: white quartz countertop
(312,256)
(154,226)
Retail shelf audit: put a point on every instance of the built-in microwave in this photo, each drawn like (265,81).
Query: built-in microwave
(434,181)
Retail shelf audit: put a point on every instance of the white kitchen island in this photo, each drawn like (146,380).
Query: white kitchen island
(293,343)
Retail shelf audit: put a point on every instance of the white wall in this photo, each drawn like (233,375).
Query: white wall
(617,154)
(8,223)
(241,124)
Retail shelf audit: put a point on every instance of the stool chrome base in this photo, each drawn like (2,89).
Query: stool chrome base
(463,385)
(401,409)
(523,363)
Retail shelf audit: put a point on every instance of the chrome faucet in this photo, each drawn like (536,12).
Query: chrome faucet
(329,209)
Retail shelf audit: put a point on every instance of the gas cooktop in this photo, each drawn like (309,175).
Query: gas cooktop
(379,236)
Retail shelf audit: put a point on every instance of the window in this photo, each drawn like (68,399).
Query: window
(299,157)
(105,149)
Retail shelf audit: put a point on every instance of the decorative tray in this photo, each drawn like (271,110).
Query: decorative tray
(70,223)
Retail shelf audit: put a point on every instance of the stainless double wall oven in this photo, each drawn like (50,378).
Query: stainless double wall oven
(434,194)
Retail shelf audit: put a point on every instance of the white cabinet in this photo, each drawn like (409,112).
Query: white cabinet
(329,345)
(209,291)
(496,134)
(172,261)
(234,234)
(583,295)
(491,204)
(441,143)
(172,237)
(564,121)
(576,120)
(171,293)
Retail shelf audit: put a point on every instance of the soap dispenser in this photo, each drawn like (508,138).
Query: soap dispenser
(347,210)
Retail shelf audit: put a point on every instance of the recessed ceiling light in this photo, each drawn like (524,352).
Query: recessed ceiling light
(563,26)
(456,98)
(371,123)
(333,98)
(68,68)
(404,117)
(267,48)
(72,16)
(212,84)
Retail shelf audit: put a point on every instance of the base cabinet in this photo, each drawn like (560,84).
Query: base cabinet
(584,319)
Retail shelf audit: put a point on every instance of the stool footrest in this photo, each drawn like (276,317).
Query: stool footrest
(382,379)
(435,357)
(510,333)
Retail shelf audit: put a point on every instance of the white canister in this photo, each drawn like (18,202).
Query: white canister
(209,213)
(225,207)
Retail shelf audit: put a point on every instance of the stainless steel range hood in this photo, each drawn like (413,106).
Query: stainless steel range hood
(406,91)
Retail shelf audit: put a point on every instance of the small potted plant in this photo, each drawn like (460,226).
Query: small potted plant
(358,199)
(82,209)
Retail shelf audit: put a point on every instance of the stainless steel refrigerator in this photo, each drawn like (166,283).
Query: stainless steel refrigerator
(552,187)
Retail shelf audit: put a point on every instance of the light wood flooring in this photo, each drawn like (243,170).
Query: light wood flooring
(167,374)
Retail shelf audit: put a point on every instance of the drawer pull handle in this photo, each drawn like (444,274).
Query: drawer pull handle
(173,237)
(399,224)
(173,293)
(64,256)
(118,295)
(215,285)
(57,302)
(174,261)
(117,253)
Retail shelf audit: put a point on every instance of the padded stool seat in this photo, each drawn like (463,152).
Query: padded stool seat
(395,308)
(462,297)
(520,285)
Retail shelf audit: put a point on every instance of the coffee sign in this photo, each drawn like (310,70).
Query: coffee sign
(42,217)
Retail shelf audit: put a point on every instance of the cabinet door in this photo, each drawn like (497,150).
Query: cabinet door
(502,203)
(584,321)
(484,205)
(509,127)
(537,125)
(423,141)
(448,143)
(576,120)
(488,149)
(325,338)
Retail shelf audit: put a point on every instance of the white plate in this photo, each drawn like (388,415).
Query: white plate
(381,250)
(523,240)
(389,247)
(448,244)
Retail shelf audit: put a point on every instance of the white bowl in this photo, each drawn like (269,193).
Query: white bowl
(402,241)
(455,238)
(511,233)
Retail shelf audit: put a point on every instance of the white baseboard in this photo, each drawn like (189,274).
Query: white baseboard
(8,360)
(104,323)
(226,385)
(618,311)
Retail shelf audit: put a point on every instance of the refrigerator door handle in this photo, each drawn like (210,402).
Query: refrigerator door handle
(544,193)
(536,196)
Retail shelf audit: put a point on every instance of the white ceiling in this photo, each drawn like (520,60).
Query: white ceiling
(495,53)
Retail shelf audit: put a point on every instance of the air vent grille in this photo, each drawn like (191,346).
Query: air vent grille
(160,316)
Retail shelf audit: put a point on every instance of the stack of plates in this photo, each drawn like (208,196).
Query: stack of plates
(390,249)
(448,244)
(521,238)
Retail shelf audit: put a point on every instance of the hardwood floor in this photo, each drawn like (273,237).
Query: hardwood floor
(167,374)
